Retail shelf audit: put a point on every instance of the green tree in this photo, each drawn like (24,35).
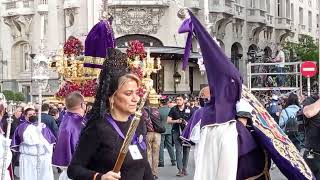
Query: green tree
(305,50)
(10,95)
(19,96)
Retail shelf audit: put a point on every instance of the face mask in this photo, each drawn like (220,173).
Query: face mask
(33,119)
(203,101)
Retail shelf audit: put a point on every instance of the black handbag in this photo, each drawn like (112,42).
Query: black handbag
(156,123)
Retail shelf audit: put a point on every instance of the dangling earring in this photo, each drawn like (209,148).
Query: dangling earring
(111,102)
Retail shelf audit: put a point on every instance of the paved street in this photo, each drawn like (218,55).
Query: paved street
(169,172)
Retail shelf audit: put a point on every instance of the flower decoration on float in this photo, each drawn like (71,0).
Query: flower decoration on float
(68,62)
(143,65)
(73,47)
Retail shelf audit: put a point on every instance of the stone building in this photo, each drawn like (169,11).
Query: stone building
(239,25)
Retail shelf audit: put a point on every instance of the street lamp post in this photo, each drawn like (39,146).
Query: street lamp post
(32,55)
(11,109)
(41,76)
(176,77)
(319,48)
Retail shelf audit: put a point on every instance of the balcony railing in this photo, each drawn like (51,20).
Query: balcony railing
(302,29)
(269,19)
(68,4)
(228,3)
(239,10)
(138,2)
(222,7)
(43,1)
(256,15)
(192,4)
(11,5)
(18,7)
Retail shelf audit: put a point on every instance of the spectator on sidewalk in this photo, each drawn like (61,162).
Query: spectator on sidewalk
(166,137)
(48,119)
(150,116)
(280,58)
(178,117)
(288,120)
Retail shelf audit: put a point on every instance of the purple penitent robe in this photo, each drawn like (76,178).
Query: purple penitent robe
(68,137)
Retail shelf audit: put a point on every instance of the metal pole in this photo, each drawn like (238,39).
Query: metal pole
(318,50)
(39,129)
(308,85)
(249,76)
(297,75)
(7,145)
(40,103)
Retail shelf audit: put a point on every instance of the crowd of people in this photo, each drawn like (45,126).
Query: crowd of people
(62,123)
(89,141)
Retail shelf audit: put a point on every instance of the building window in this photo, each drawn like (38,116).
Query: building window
(287,8)
(268,6)
(262,4)
(227,2)
(24,54)
(252,3)
(43,1)
(300,16)
(278,8)
(310,21)
(292,12)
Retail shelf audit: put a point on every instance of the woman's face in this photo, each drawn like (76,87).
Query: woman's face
(125,100)
(56,116)
(244,121)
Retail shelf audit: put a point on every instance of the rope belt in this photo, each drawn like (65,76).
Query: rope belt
(265,171)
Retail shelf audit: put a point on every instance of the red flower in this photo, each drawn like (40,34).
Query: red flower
(136,48)
(141,91)
(86,88)
(73,46)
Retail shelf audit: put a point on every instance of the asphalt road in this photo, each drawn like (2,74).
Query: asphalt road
(168,172)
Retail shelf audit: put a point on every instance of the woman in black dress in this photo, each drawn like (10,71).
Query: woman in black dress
(100,142)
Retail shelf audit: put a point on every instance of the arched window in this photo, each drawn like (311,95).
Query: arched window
(236,54)
(20,56)
(25,50)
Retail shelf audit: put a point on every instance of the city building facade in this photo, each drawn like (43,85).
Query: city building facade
(239,25)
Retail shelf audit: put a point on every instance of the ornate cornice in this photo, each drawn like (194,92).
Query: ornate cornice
(19,25)
(137,19)
(253,31)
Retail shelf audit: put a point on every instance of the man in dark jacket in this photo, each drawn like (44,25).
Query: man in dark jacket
(48,120)
(311,112)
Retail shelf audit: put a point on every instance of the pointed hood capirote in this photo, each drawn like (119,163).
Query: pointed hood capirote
(224,78)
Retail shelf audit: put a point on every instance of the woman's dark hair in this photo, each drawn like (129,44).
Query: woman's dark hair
(114,68)
(293,99)
(2,109)
(53,112)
